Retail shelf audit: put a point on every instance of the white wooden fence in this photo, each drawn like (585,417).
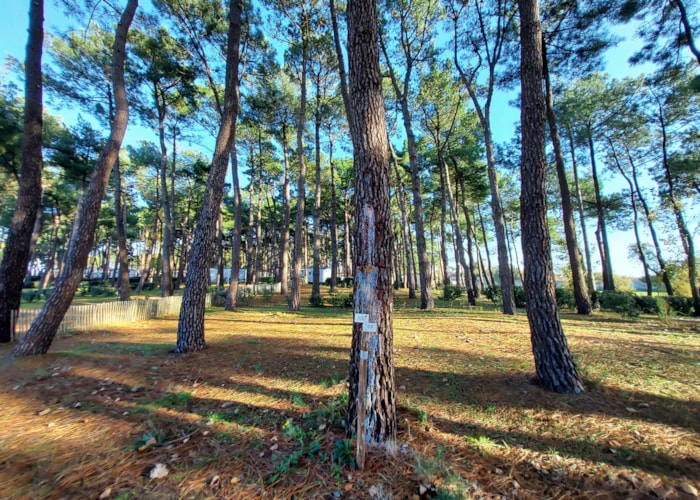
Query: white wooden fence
(87,317)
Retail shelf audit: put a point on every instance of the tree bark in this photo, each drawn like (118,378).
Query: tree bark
(555,366)
(578,276)
(334,224)
(590,280)
(38,338)
(608,281)
(284,241)
(28,206)
(405,226)
(190,329)
(650,224)
(295,292)
(232,294)
(372,336)
(316,285)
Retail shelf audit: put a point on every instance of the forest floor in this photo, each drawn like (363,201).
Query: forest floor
(113,414)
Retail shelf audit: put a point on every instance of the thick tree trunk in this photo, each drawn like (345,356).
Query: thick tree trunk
(372,343)
(28,206)
(190,329)
(38,338)
(578,276)
(553,361)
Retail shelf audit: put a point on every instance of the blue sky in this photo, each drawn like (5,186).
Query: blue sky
(13,34)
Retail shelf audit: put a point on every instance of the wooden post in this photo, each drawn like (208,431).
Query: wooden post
(361,401)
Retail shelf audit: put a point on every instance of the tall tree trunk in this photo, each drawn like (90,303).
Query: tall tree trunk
(51,261)
(38,338)
(28,206)
(372,339)
(190,328)
(405,226)
(443,230)
(590,279)
(484,114)
(424,268)
(486,245)
(232,294)
(605,257)
(663,271)
(635,219)
(578,276)
(686,237)
(250,243)
(349,270)
(295,292)
(316,286)
(284,242)
(334,225)
(123,284)
(555,366)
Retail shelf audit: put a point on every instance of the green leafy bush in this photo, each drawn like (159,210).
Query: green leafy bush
(493,293)
(619,302)
(520,299)
(316,301)
(452,292)
(647,304)
(682,305)
(340,300)
(565,298)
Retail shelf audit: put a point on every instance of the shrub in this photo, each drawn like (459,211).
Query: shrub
(340,300)
(316,301)
(620,302)
(520,300)
(565,298)
(682,305)
(493,293)
(452,292)
(647,304)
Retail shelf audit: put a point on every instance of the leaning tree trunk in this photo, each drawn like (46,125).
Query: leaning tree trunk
(38,338)
(190,328)
(635,220)
(17,246)
(372,339)
(578,276)
(555,366)
(663,270)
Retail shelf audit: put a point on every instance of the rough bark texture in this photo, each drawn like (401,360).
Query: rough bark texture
(190,328)
(38,338)
(578,276)
(553,361)
(17,246)
(372,335)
